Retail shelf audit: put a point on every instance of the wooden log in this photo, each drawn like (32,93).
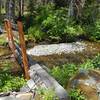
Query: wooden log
(23,49)
(8,28)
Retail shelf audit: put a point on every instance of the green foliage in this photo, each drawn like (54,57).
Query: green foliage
(3,41)
(43,12)
(8,80)
(35,33)
(58,24)
(6,65)
(64,73)
(10,83)
(90,12)
(96,62)
(54,23)
(87,65)
(96,33)
(93,30)
(31,6)
(76,95)
(47,94)
(92,64)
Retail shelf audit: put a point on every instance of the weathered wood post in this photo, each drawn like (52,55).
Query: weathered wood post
(23,49)
(8,28)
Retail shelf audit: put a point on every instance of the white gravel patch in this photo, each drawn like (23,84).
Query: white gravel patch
(41,50)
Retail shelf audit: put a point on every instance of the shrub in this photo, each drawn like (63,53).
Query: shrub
(64,73)
(96,61)
(92,64)
(3,41)
(58,24)
(87,65)
(55,23)
(10,83)
(93,31)
(76,94)
(46,94)
(43,12)
(35,33)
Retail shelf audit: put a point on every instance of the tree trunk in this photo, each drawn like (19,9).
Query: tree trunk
(0,6)
(21,7)
(75,8)
(10,9)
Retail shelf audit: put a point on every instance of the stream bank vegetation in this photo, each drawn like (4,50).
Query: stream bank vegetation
(64,73)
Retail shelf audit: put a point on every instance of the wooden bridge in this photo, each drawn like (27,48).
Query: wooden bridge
(35,74)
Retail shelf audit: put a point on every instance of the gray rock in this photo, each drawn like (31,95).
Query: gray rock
(41,50)
(49,82)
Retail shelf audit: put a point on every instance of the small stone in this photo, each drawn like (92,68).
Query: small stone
(25,96)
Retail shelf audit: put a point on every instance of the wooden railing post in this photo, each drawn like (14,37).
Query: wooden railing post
(23,49)
(8,28)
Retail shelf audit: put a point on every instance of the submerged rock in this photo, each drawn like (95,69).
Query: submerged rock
(88,82)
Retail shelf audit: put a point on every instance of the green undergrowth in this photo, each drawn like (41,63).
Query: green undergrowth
(76,94)
(9,80)
(63,73)
(46,94)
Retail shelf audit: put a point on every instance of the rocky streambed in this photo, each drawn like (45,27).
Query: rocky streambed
(58,54)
